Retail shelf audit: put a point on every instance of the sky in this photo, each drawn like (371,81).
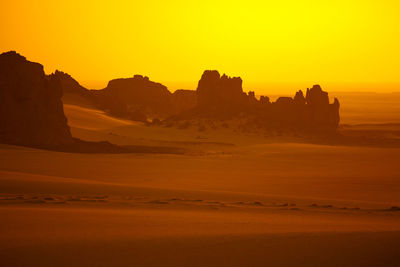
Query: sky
(275,46)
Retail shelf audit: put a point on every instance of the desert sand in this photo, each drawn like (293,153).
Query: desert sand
(236,199)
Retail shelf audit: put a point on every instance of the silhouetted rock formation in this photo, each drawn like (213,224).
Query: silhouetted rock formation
(31,97)
(264,100)
(182,100)
(299,98)
(137,95)
(70,85)
(322,114)
(135,98)
(31,111)
(140,95)
(222,97)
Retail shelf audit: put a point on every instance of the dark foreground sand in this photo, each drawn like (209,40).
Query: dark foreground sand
(285,249)
(61,209)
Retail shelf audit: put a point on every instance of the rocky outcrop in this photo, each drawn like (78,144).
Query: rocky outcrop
(320,112)
(70,86)
(264,100)
(299,98)
(312,113)
(31,111)
(135,98)
(222,97)
(137,94)
(182,100)
(29,96)
(138,98)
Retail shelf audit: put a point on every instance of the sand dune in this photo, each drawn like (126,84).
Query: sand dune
(223,207)
(91,119)
(246,200)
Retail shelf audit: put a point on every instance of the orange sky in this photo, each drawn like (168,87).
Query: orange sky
(273,45)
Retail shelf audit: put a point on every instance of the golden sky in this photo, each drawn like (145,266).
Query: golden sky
(272,45)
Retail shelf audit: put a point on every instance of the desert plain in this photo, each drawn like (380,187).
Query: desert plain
(232,199)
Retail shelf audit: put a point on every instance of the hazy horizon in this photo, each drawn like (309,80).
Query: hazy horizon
(265,88)
(271,88)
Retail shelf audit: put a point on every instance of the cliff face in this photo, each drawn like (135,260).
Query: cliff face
(31,110)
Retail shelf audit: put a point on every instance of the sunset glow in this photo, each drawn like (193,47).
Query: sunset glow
(273,45)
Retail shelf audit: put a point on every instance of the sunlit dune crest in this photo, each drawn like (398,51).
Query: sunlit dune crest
(98,119)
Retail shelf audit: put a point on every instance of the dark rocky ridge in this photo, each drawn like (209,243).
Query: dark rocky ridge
(31,112)
(71,86)
(29,96)
(135,98)
(222,98)
(217,97)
